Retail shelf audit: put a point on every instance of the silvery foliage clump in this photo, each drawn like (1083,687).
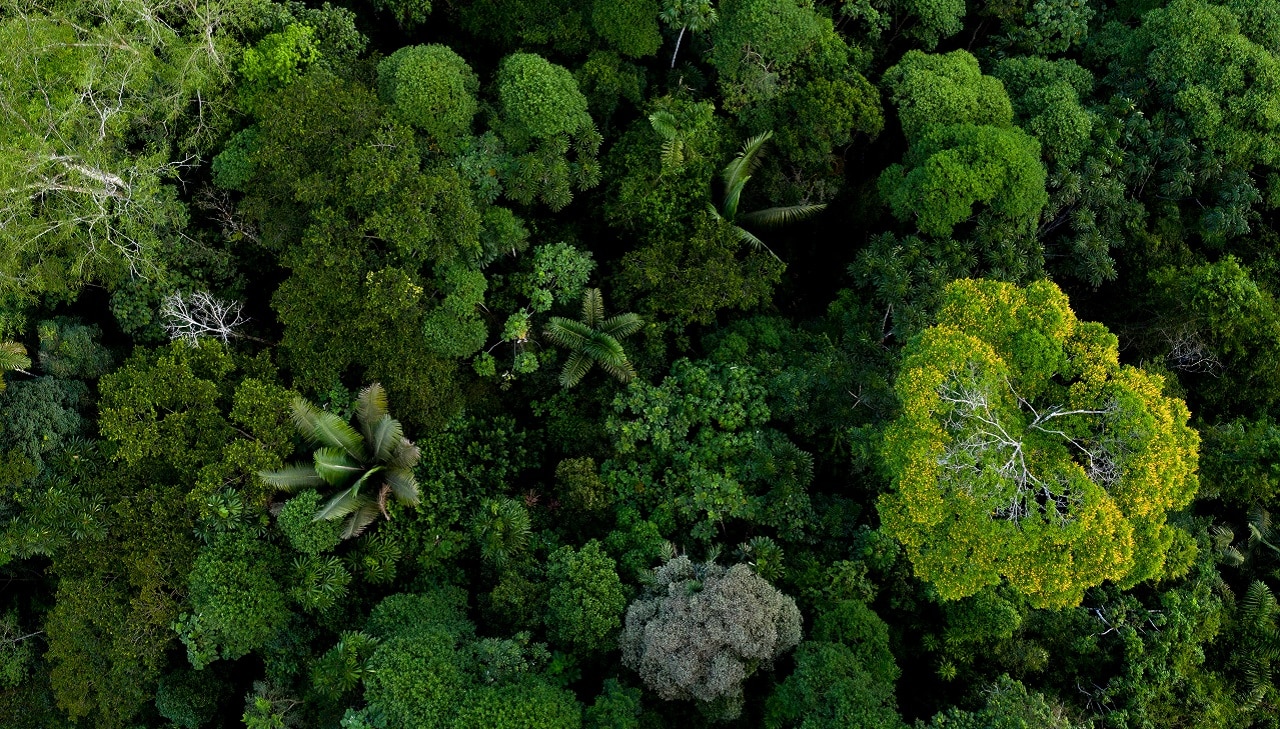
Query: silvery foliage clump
(701,629)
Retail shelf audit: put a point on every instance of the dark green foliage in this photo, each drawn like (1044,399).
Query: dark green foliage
(69,348)
(187,698)
(616,708)
(629,26)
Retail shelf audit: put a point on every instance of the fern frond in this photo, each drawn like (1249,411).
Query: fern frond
(403,485)
(567,333)
(1258,607)
(292,478)
(665,124)
(323,428)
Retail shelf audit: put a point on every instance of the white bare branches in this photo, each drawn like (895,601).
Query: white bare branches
(1189,353)
(986,437)
(198,314)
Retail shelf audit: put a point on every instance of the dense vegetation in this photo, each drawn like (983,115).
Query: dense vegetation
(624,364)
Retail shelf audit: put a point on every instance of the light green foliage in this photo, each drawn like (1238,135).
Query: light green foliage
(319,582)
(276,61)
(304,533)
(695,451)
(502,233)
(584,610)
(539,99)
(165,409)
(95,122)
(1025,452)
(948,172)
(1051,26)
(700,630)
(844,675)
(187,698)
(432,89)
(1009,705)
(1046,97)
(935,91)
(69,348)
(763,47)
(818,118)
(559,276)
(234,592)
(454,328)
(532,705)
(501,527)
(629,26)
(343,667)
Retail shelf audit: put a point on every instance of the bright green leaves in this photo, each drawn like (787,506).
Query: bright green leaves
(963,151)
(1024,451)
(432,89)
(234,592)
(276,61)
(950,171)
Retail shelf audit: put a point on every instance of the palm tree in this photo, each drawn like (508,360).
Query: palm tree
(736,175)
(694,15)
(593,340)
(13,358)
(364,467)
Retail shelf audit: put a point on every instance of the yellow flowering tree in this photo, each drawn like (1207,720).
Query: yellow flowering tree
(1025,451)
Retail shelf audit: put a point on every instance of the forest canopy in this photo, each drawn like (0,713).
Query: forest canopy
(627,364)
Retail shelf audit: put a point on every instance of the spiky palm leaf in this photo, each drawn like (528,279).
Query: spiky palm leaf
(622,325)
(382,438)
(1260,528)
(336,467)
(324,428)
(292,478)
(13,356)
(360,519)
(371,408)
(592,308)
(750,239)
(567,333)
(403,485)
(774,217)
(739,171)
(575,368)
(405,456)
(608,353)
(342,503)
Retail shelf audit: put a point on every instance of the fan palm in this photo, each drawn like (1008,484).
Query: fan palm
(364,467)
(736,175)
(594,340)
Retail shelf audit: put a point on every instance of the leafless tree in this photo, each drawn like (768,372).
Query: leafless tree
(189,316)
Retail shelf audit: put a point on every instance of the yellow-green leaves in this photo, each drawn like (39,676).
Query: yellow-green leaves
(1024,451)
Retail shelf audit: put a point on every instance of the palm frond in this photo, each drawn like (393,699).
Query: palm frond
(292,478)
(335,467)
(575,368)
(567,333)
(405,455)
(622,325)
(774,217)
(384,437)
(403,485)
(664,123)
(323,428)
(592,308)
(620,368)
(371,407)
(738,172)
(360,519)
(1258,607)
(13,356)
(747,237)
(340,504)
(1231,557)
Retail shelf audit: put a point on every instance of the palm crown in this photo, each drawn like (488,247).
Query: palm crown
(13,357)
(365,466)
(736,175)
(593,340)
